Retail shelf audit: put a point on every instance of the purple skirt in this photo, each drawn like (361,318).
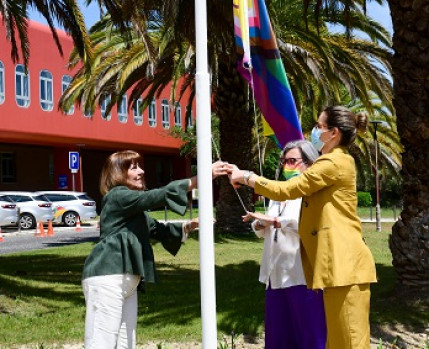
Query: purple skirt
(294,319)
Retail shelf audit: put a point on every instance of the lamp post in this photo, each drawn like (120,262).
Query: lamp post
(377,179)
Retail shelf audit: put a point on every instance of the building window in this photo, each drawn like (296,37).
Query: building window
(190,122)
(165,114)
(177,114)
(104,102)
(46,92)
(22,88)
(65,82)
(138,112)
(152,113)
(2,93)
(87,113)
(122,110)
(7,168)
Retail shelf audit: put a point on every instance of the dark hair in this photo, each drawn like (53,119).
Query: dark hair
(115,169)
(347,122)
(308,152)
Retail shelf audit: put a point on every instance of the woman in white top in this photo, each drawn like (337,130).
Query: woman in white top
(294,315)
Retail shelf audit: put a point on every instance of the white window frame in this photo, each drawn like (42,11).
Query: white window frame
(104,101)
(65,83)
(2,88)
(152,113)
(87,114)
(122,110)
(190,120)
(138,112)
(165,114)
(46,84)
(177,114)
(22,92)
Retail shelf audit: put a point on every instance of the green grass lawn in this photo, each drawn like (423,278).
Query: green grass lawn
(41,300)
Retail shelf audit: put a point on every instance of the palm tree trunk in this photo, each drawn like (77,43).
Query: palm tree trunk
(235,126)
(409,241)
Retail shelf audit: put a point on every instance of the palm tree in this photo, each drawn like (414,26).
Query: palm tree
(14,14)
(410,62)
(318,65)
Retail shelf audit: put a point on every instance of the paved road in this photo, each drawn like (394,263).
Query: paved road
(26,240)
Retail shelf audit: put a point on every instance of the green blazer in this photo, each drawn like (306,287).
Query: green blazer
(126,229)
(333,251)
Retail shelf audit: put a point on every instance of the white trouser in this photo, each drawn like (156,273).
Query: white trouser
(111,311)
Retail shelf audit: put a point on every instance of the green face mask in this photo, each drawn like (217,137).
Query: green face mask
(288,173)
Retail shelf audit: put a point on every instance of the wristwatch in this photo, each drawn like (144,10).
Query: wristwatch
(246,177)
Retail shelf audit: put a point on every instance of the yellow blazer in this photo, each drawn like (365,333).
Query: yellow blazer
(333,253)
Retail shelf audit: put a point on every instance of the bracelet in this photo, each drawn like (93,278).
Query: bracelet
(246,177)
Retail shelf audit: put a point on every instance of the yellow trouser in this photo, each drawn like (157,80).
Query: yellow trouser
(347,316)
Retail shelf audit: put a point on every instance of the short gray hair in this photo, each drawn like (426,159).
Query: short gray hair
(308,152)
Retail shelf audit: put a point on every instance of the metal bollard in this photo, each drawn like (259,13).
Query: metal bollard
(166,213)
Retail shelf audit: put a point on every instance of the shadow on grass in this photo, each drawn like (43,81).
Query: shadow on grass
(176,298)
(388,309)
(20,275)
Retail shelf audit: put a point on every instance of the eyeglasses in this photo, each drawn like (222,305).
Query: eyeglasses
(289,161)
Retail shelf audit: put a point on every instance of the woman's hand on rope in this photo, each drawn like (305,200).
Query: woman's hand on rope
(236,176)
(219,168)
(263,219)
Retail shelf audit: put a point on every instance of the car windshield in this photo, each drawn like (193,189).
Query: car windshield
(5,198)
(20,198)
(85,197)
(41,198)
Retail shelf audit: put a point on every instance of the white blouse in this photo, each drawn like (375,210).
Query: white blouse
(281,265)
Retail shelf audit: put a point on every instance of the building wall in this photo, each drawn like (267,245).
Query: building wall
(41,140)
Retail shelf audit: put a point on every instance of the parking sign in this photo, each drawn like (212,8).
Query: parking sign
(74,161)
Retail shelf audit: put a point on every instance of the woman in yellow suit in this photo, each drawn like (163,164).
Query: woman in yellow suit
(334,255)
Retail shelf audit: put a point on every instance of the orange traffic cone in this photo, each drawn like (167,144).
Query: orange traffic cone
(40,232)
(1,236)
(78,228)
(50,231)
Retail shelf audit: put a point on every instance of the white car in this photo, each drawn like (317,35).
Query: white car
(69,205)
(32,208)
(8,211)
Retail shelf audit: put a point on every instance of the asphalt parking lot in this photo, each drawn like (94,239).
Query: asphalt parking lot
(26,240)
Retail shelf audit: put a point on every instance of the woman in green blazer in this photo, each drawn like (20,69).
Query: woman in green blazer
(123,260)
(335,258)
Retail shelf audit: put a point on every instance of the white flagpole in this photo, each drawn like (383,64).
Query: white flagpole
(205,201)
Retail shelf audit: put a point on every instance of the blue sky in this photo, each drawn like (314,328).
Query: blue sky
(380,13)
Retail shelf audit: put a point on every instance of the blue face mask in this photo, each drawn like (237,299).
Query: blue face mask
(315,138)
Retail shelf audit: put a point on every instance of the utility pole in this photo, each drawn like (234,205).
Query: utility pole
(377,178)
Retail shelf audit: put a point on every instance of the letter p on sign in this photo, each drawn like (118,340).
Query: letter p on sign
(74,161)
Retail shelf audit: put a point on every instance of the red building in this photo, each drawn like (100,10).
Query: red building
(36,138)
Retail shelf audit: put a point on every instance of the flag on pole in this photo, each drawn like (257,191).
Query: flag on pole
(259,62)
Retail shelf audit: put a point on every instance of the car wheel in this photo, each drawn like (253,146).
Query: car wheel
(27,221)
(70,218)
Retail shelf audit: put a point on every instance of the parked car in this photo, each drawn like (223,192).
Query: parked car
(32,208)
(69,205)
(8,211)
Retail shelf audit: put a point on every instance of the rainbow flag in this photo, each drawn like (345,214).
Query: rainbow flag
(260,64)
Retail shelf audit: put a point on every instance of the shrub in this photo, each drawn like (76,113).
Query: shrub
(364,199)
